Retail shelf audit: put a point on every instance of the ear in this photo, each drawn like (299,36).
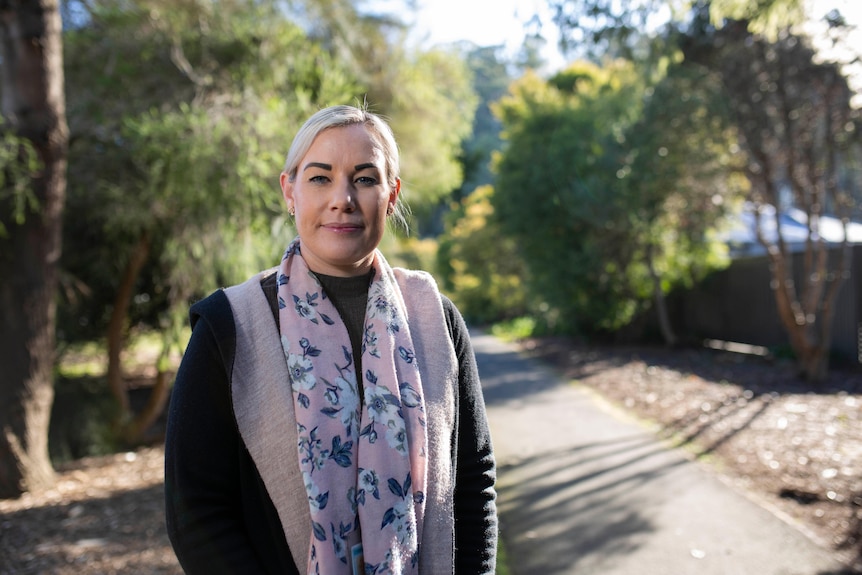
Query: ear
(286,190)
(393,194)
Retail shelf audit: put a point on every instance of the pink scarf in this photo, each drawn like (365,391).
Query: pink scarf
(364,466)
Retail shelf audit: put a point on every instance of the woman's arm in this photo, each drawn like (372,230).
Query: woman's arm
(475,496)
(202,477)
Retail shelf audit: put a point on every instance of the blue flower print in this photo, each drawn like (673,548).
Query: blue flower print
(339,540)
(406,354)
(305,308)
(341,453)
(399,516)
(382,404)
(316,500)
(312,450)
(396,436)
(369,482)
(300,369)
(409,396)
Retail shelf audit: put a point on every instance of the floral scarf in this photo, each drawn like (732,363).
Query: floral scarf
(363,463)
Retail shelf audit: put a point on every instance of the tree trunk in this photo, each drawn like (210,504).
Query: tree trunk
(660,303)
(134,431)
(33,106)
(117,326)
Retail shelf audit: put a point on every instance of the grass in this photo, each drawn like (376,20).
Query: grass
(502,559)
(515,329)
(89,359)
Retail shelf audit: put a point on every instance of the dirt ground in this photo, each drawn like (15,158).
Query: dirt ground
(795,449)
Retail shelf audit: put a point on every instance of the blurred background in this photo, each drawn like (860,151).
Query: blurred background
(676,173)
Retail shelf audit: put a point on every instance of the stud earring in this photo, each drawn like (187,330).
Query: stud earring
(389,210)
(291,210)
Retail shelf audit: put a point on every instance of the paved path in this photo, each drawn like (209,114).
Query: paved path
(583,489)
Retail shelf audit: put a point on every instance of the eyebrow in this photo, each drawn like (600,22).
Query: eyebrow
(322,166)
(317,165)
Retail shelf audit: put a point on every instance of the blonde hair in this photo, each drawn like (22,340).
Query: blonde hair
(340,117)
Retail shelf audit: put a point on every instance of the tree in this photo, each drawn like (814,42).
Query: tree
(188,122)
(555,193)
(620,203)
(681,181)
(480,265)
(791,112)
(799,132)
(33,106)
(178,140)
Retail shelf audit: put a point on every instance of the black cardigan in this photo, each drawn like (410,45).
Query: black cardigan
(220,518)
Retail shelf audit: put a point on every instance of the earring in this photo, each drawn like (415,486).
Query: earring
(389,210)
(292,211)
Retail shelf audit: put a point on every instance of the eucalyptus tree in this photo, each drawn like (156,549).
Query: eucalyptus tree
(801,137)
(32,190)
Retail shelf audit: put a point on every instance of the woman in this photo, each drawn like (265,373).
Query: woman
(327,416)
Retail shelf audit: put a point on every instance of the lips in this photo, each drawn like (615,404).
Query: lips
(343,227)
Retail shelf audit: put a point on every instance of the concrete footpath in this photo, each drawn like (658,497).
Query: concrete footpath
(583,489)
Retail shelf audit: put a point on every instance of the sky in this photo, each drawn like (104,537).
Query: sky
(495,22)
(486,23)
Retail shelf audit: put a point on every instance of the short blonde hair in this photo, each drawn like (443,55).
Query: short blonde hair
(340,117)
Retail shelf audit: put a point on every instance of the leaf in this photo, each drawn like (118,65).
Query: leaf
(341,453)
(326,319)
(303,400)
(395,487)
(318,530)
(330,411)
(388,517)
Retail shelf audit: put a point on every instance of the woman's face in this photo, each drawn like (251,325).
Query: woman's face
(340,196)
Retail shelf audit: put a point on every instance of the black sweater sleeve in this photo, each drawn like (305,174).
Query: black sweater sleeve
(216,511)
(475,496)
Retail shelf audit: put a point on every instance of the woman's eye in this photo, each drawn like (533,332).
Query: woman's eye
(366,181)
(318,179)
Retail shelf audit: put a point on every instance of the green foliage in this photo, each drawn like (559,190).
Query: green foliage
(181,113)
(178,149)
(480,266)
(491,79)
(431,114)
(555,195)
(605,182)
(768,17)
(18,165)
(515,329)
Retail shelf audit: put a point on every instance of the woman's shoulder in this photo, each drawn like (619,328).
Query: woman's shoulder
(211,307)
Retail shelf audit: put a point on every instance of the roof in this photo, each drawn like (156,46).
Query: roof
(741,237)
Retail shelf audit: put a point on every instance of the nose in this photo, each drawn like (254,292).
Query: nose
(344,196)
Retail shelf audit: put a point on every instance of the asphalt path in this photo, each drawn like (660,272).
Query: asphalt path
(585,489)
